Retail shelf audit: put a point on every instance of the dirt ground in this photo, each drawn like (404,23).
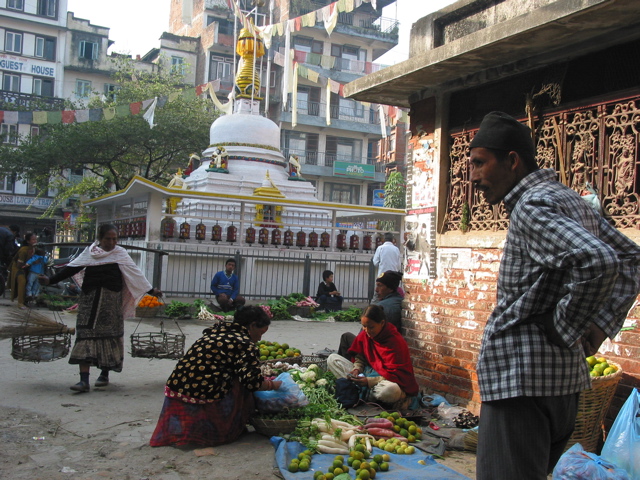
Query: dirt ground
(49,432)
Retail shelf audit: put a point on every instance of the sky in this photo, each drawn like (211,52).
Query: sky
(136,25)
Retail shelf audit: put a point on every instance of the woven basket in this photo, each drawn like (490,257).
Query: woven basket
(592,408)
(44,348)
(158,344)
(270,427)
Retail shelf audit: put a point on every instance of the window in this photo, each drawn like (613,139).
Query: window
(177,65)
(15,4)
(35,131)
(309,45)
(225,27)
(11,83)
(47,8)
(88,50)
(83,88)
(9,134)
(220,67)
(341,193)
(31,188)
(111,91)
(43,87)
(6,184)
(45,48)
(13,42)
(309,100)
(350,108)
(342,150)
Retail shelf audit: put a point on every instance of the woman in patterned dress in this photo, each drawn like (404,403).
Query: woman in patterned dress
(209,395)
(112,284)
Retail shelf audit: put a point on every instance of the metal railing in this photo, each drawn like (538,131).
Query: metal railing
(267,274)
(357,113)
(325,159)
(16,101)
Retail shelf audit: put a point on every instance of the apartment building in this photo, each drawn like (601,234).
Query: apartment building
(47,57)
(33,41)
(336,139)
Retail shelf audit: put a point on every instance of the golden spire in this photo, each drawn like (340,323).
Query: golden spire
(250,47)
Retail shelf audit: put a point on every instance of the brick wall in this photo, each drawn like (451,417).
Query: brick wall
(444,320)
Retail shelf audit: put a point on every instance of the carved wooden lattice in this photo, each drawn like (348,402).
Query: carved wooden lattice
(591,147)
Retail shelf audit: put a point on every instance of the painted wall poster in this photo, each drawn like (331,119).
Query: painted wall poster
(453,258)
(423,179)
(420,243)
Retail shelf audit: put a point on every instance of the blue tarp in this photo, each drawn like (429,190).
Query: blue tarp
(401,467)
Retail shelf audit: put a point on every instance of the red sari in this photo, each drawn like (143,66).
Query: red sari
(388,354)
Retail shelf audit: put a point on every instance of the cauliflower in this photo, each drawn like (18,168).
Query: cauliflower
(322,382)
(308,376)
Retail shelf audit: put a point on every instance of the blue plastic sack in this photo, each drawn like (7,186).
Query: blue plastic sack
(622,446)
(288,396)
(576,464)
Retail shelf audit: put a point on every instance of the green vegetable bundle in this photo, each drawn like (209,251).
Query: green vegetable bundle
(178,309)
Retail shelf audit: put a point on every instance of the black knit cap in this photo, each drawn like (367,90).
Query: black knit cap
(391,279)
(499,131)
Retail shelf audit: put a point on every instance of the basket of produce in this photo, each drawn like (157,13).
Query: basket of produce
(158,344)
(594,403)
(35,337)
(270,427)
(149,307)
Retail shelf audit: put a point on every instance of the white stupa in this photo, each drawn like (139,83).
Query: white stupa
(244,156)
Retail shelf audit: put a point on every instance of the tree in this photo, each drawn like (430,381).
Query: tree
(395,191)
(113,151)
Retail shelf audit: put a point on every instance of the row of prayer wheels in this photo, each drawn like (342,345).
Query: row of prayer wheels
(274,236)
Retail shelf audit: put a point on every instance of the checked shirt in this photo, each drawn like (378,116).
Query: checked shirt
(564,260)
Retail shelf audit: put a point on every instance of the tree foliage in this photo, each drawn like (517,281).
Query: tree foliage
(395,191)
(115,150)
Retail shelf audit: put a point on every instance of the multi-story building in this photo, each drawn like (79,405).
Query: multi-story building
(48,58)
(33,39)
(335,138)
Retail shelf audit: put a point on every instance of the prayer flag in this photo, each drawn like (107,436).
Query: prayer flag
(39,118)
(82,116)
(148,115)
(68,116)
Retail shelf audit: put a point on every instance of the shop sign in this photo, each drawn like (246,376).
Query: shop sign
(23,201)
(353,170)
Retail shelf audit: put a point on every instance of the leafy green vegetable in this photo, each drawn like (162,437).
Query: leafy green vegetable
(178,309)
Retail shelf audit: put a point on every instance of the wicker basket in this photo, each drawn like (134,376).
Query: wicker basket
(158,344)
(592,408)
(45,348)
(269,427)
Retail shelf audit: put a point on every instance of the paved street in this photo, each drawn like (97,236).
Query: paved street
(47,431)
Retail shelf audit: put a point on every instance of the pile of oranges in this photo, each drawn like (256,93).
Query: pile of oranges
(149,301)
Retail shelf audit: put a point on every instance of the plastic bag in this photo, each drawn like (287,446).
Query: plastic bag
(286,397)
(622,446)
(576,464)
(448,413)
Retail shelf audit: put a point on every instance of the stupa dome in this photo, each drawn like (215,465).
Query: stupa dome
(245,129)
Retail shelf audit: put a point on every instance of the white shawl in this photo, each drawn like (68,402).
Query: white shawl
(135,283)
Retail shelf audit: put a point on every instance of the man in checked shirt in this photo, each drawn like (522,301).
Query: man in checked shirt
(567,280)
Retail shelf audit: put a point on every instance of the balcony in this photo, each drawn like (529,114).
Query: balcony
(357,67)
(13,101)
(327,159)
(355,118)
